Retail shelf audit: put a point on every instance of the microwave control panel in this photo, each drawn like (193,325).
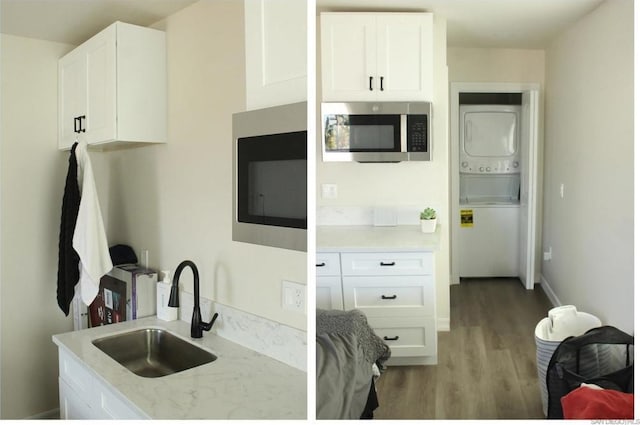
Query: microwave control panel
(417,130)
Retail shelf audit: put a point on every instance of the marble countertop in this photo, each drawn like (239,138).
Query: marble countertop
(240,384)
(372,238)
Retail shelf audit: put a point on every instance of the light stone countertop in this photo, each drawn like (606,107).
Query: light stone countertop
(371,239)
(240,384)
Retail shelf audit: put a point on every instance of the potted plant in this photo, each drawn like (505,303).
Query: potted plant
(428,220)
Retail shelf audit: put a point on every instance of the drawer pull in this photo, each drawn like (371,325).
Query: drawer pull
(321,264)
(389,264)
(395,338)
(393,297)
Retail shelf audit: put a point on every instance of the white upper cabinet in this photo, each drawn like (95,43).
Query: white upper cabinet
(113,88)
(276,52)
(377,56)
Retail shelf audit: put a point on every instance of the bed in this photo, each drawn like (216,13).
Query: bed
(349,357)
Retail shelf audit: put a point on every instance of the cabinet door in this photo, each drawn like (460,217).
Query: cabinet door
(348,46)
(110,406)
(72,101)
(276,52)
(100,53)
(404,57)
(72,406)
(329,293)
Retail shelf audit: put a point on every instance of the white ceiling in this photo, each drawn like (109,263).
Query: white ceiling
(470,23)
(486,23)
(74,21)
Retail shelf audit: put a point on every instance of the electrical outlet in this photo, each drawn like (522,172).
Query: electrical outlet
(294,296)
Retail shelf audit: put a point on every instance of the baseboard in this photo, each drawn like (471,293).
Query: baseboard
(555,301)
(444,324)
(50,414)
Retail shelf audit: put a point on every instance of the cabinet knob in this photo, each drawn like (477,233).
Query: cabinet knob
(393,297)
(321,264)
(381,84)
(389,264)
(395,338)
(370,83)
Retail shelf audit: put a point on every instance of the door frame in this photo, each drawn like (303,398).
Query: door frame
(533,230)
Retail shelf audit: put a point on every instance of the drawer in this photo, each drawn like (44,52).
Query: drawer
(407,337)
(387,264)
(76,375)
(382,296)
(327,264)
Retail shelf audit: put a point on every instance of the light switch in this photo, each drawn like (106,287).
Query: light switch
(329,191)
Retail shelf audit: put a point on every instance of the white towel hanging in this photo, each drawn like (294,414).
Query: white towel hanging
(89,239)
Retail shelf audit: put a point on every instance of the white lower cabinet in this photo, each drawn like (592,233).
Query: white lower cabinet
(329,293)
(72,404)
(85,396)
(328,282)
(395,290)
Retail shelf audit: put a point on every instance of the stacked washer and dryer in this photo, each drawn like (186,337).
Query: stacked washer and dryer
(490,177)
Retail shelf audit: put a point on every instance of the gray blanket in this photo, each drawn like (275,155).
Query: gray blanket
(346,349)
(353,322)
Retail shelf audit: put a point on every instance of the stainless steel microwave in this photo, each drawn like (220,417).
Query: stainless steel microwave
(270,176)
(376,131)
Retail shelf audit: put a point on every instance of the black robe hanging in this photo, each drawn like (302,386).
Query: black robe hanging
(68,259)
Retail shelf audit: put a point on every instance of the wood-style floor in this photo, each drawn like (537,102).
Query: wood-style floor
(486,364)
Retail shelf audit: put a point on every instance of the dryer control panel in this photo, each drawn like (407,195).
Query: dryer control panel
(489,166)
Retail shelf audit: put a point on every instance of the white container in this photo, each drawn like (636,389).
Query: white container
(428,226)
(164,292)
(562,322)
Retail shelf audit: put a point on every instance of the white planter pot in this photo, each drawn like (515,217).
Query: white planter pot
(428,226)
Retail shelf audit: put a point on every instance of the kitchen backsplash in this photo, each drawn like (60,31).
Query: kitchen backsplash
(369,216)
(281,342)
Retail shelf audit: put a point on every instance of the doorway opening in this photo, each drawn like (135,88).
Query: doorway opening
(494,181)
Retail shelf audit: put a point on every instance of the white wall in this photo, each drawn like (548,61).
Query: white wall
(175,199)
(405,183)
(486,65)
(32,182)
(589,149)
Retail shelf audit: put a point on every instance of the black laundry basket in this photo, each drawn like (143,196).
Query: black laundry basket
(602,356)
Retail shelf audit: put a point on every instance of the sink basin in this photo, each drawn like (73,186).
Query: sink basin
(153,352)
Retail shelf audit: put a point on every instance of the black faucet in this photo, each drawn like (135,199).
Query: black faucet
(197,325)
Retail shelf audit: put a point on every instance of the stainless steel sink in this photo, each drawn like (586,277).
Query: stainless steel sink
(153,352)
